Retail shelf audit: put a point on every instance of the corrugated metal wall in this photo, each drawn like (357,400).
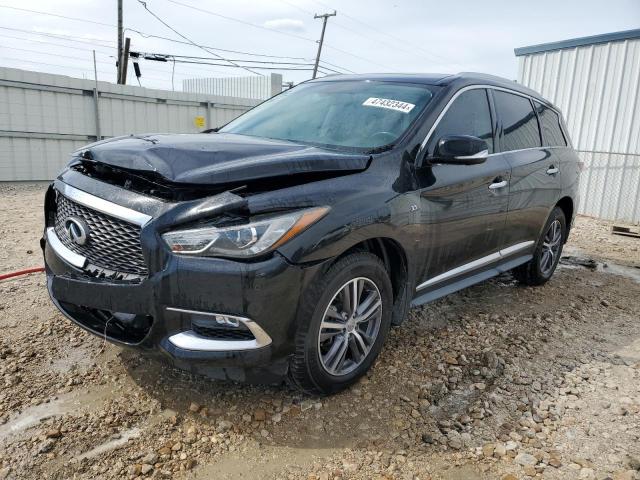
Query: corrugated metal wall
(44,117)
(259,88)
(597,87)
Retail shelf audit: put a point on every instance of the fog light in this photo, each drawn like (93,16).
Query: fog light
(227,320)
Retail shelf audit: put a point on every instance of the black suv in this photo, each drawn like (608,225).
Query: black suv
(286,243)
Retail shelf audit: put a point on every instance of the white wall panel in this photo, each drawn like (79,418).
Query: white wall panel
(44,117)
(597,87)
(254,87)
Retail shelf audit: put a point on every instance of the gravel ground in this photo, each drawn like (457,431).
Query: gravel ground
(495,382)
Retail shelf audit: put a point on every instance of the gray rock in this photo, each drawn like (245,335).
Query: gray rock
(427,438)
(224,425)
(46,446)
(525,459)
(454,440)
(150,458)
(490,359)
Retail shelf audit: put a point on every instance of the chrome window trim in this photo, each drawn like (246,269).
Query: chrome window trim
(505,252)
(527,149)
(102,205)
(189,340)
(72,258)
(478,87)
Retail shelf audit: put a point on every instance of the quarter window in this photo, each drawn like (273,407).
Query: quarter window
(519,124)
(552,135)
(469,114)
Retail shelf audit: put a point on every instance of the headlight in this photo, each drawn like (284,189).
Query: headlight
(245,240)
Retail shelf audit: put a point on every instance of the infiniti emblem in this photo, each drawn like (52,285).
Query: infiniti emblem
(77,230)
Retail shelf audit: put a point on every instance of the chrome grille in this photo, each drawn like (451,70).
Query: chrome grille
(113,244)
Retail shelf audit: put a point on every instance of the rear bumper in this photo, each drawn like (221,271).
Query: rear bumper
(264,294)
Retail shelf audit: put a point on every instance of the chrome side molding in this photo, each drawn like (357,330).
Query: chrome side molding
(480,155)
(189,340)
(72,258)
(102,205)
(505,252)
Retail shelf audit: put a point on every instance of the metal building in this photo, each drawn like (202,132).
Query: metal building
(254,87)
(595,81)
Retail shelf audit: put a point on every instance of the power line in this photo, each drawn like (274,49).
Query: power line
(88,50)
(67,38)
(339,25)
(197,62)
(337,66)
(49,54)
(379,31)
(252,54)
(103,43)
(167,57)
(230,59)
(70,67)
(73,47)
(288,34)
(143,34)
(304,10)
(84,20)
(144,4)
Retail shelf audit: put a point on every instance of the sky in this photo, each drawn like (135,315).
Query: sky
(364,37)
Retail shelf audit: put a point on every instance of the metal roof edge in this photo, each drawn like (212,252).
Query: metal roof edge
(578,42)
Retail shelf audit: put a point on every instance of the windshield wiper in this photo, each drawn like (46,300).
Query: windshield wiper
(381,149)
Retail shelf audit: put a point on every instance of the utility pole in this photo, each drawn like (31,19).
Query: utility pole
(324,18)
(120,35)
(95,98)
(124,62)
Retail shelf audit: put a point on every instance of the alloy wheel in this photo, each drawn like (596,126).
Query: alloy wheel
(350,326)
(551,247)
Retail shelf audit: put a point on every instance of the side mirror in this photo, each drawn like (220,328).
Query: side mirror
(460,150)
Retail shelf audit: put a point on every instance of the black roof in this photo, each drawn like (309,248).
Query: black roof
(459,79)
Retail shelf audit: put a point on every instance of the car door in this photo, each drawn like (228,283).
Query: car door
(463,207)
(535,183)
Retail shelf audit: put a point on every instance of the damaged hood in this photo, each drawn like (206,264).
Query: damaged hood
(219,158)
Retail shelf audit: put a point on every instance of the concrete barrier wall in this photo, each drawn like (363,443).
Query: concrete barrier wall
(44,117)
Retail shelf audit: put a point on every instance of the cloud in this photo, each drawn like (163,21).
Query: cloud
(287,24)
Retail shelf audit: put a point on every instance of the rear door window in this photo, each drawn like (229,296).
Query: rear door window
(552,135)
(469,114)
(519,123)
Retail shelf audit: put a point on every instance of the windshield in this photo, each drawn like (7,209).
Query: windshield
(357,114)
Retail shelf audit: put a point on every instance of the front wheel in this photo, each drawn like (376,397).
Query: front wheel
(343,323)
(545,259)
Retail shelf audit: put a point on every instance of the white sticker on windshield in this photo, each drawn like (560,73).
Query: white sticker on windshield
(397,105)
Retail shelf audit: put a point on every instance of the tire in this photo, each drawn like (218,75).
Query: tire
(540,268)
(310,368)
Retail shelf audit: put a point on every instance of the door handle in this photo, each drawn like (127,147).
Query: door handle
(495,185)
(552,170)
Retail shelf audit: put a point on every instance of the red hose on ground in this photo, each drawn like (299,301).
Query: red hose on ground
(21,272)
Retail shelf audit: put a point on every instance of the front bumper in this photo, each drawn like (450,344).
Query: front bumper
(263,294)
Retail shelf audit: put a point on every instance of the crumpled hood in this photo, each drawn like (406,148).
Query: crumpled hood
(219,158)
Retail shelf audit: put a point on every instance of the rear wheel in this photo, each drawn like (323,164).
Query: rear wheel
(547,254)
(344,321)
